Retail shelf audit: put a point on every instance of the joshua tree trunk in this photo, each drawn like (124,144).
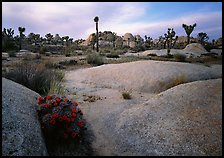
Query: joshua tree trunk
(20,42)
(164,46)
(188,39)
(97,41)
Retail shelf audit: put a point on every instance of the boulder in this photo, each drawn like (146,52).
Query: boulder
(27,54)
(5,56)
(144,76)
(129,37)
(118,42)
(183,121)
(195,47)
(21,132)
(216,51)
(48,53)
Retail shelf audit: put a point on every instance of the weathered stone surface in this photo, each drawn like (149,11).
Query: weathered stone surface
(195,47)
(145,76)
(5,56)
(128,37)
(185,120)
(216,51)
(182,120)
(21,132)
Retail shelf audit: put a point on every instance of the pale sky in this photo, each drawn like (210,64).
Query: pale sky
(75,19)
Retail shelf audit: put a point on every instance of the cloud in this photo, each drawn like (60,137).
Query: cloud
(76,19)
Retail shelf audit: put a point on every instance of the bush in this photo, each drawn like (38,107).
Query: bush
(34,76)
(177,80)
(126,95)
(12,54)
(42,50)
(112,55)
(94,59)
(179,57)
(60,119)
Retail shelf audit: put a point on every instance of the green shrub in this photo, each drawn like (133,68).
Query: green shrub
(12,54)
(112,55)
(94,59)
(126,95)
(179,57)
(34,76)
(42,50)
(177,80)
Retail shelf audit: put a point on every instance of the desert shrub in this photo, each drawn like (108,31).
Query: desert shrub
(179,57)
(94,59)
(177,80)
(138,48)
(112,55)
(68,51)
(34,76)
(60,119)
(42,50)
(209,46)
(126,95)
(167,56)
(107,50)
(12,54)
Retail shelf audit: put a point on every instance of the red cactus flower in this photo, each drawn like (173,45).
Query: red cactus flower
(74,134)
(74,115)
(55,104)
(55,115)
(74,110)
(60,118)
(68,119)
(65,100)
(48,97)
(64,117)
(75,104)
(47,105)
(52,121)
(81,124)
(58,100)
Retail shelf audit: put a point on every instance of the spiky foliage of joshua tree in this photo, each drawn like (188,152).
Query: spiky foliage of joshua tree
(21,30)
(202,37)
(148,41)
(8,41)
(188,29)
(96,20)
(49,37)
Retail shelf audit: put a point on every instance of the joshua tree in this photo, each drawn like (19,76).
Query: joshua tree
(49,37)
(202,37)
(21,30)
(96,19)
(66,38)
(8,32)
(170,39)
(188,30)
(148,40)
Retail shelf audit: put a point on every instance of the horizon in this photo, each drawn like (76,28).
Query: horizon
(138,18)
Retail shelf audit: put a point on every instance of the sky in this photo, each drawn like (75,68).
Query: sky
(75,19)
